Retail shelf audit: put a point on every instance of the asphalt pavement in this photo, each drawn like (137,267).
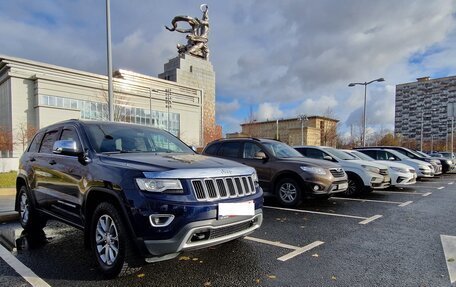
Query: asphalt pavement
(386,238)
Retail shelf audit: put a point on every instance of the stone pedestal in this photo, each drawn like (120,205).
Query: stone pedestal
(198,73)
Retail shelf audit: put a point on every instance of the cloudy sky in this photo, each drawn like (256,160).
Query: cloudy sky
(277,59)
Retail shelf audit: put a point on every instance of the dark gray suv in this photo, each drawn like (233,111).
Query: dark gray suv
(282,171)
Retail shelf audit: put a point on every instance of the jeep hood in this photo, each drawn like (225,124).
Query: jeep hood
(167,161)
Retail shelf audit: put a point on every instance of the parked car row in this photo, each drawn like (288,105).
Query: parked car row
(319,171)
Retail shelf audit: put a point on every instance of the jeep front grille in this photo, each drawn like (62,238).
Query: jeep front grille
(220,188)
(337,172)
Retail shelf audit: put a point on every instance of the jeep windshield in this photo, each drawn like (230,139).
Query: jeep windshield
(281,150)
(127,138)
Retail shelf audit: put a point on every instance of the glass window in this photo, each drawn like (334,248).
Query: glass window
(315,153)
(372,153)
(212,149)
(48,142)
(35,145)
(250,149)
(281,150)
(115,137)
(51,101)
(230,149)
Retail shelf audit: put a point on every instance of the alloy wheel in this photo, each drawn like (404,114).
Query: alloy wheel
(24,208)
(107,240)
(288,192)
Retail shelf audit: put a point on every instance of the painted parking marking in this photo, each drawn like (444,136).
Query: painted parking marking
(296,249)
(370,219)
(449,250)
(450,183)
(405,203)
(21,269)
(401,204)
(442,187)
(404,192)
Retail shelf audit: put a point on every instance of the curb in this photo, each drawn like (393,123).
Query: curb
(9,216)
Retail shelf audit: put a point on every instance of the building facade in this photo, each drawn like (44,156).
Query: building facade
(316,130)
(34,95)
(424,105)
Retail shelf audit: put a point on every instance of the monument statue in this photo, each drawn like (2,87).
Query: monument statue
(197,34)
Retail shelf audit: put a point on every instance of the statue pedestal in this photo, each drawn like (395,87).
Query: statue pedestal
(199,73)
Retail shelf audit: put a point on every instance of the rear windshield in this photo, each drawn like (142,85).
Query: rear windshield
(124,138)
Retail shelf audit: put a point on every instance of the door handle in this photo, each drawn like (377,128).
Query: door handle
(52,162)
(32,159)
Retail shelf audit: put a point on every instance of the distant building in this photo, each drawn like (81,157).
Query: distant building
(34,95)
(316,130)
(424,102)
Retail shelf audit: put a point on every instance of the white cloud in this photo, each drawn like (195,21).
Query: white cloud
(268,111)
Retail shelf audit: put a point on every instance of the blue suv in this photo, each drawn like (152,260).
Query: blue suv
(139,194)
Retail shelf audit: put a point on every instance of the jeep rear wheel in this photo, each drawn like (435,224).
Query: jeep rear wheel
(112,247)
(29,218)
(288,192)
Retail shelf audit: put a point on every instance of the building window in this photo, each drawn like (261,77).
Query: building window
(122,113)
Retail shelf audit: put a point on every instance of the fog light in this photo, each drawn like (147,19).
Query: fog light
(316,187)
(161,220)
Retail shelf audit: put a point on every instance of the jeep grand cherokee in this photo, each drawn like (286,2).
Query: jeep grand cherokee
(136,192)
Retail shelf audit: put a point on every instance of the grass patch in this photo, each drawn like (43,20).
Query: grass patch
(8,179)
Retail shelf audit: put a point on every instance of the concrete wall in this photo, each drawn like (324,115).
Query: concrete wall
(9,164)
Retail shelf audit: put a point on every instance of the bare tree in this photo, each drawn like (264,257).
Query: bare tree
(329,135)
(25,134)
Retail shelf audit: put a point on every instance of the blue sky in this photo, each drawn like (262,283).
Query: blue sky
(278,59)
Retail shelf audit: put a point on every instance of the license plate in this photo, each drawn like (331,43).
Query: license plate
(236,209)
(343,186)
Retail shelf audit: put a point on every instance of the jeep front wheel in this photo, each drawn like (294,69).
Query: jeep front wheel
(288,192)
(29,218)
(111,245)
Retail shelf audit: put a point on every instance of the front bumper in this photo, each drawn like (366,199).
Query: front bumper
(425,173)
(203,234)
(404,179)
(379,181)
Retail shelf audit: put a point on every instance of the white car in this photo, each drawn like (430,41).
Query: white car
(401,174)
(423,169)
(362,175)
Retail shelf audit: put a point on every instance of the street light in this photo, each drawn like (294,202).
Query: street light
(302,118)
(422,128)
(364,111)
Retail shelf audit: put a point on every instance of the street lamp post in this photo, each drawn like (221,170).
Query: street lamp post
(302,118)
(109,55)
(363,139)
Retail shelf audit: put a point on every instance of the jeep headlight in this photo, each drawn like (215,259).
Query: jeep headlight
(372,169)
(255,178)
(398,169)
(448,161)
(314,170)
(160,185)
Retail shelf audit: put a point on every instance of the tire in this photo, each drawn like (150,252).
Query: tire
(29,218)
(355,186)
(288,192)
(111,245)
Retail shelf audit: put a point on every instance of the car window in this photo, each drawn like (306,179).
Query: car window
(35,144)
(390,155)
(212,149)
(315,153)
(48,142)
(382,155)
(250,149)
(71,135)
(372,153)
(230,149)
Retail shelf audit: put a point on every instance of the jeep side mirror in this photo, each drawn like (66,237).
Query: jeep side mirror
(66,147)
(327,157)
(260,155)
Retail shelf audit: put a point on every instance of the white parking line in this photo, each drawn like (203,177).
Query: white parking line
(370,219)
(405,203)
(326,213)
(442,187)
(450,183)
(21,269)
(372,200)
(296,250)
(403,192)
(449,249)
